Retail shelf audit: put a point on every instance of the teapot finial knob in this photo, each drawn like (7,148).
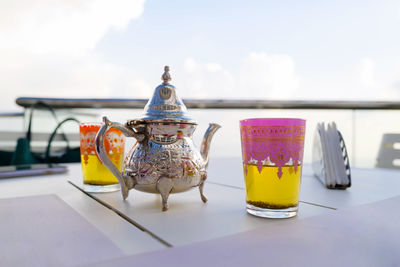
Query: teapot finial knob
(166,77)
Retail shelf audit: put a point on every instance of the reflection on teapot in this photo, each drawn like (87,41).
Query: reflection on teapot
(164,160)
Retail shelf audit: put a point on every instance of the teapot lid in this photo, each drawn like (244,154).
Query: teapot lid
(165,104)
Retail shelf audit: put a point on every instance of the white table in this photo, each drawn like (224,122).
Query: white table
(368,185)
(189,220)
(127,237)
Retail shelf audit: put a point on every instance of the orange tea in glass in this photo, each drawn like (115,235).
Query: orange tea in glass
(96,176)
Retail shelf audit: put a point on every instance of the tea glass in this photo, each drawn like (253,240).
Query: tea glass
(272,154)
(96,176)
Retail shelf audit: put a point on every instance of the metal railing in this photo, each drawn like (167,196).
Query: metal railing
(213,103)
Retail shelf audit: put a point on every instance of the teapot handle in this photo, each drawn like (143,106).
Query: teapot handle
(102,153)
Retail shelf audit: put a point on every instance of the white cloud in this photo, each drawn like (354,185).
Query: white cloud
(366,72)
(66,26)
(261,76)
(368,82)
(190,65)
(272,76)
(209,80)
(269,76)
(48,49)
(213,67)
(363,79)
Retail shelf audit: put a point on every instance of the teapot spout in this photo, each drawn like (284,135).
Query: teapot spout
(205,145)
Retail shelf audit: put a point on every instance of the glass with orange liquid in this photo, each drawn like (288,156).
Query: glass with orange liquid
(96,176)
(272,153)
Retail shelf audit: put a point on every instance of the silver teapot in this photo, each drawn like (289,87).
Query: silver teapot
(164,159)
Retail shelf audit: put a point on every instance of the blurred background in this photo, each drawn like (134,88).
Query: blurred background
(269,50)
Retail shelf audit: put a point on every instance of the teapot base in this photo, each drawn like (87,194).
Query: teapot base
(166,186)
(152,189)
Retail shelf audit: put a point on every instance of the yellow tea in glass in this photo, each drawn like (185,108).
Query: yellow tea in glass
(96,176)
(272,153)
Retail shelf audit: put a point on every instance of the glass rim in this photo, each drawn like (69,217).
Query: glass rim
(273,122)
(90,123)
(290,119)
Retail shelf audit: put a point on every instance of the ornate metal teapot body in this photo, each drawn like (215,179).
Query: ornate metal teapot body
(164,160)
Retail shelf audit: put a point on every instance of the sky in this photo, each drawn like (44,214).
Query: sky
(287,50)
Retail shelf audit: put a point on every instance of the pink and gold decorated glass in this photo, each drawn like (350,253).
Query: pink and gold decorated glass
(272,154)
